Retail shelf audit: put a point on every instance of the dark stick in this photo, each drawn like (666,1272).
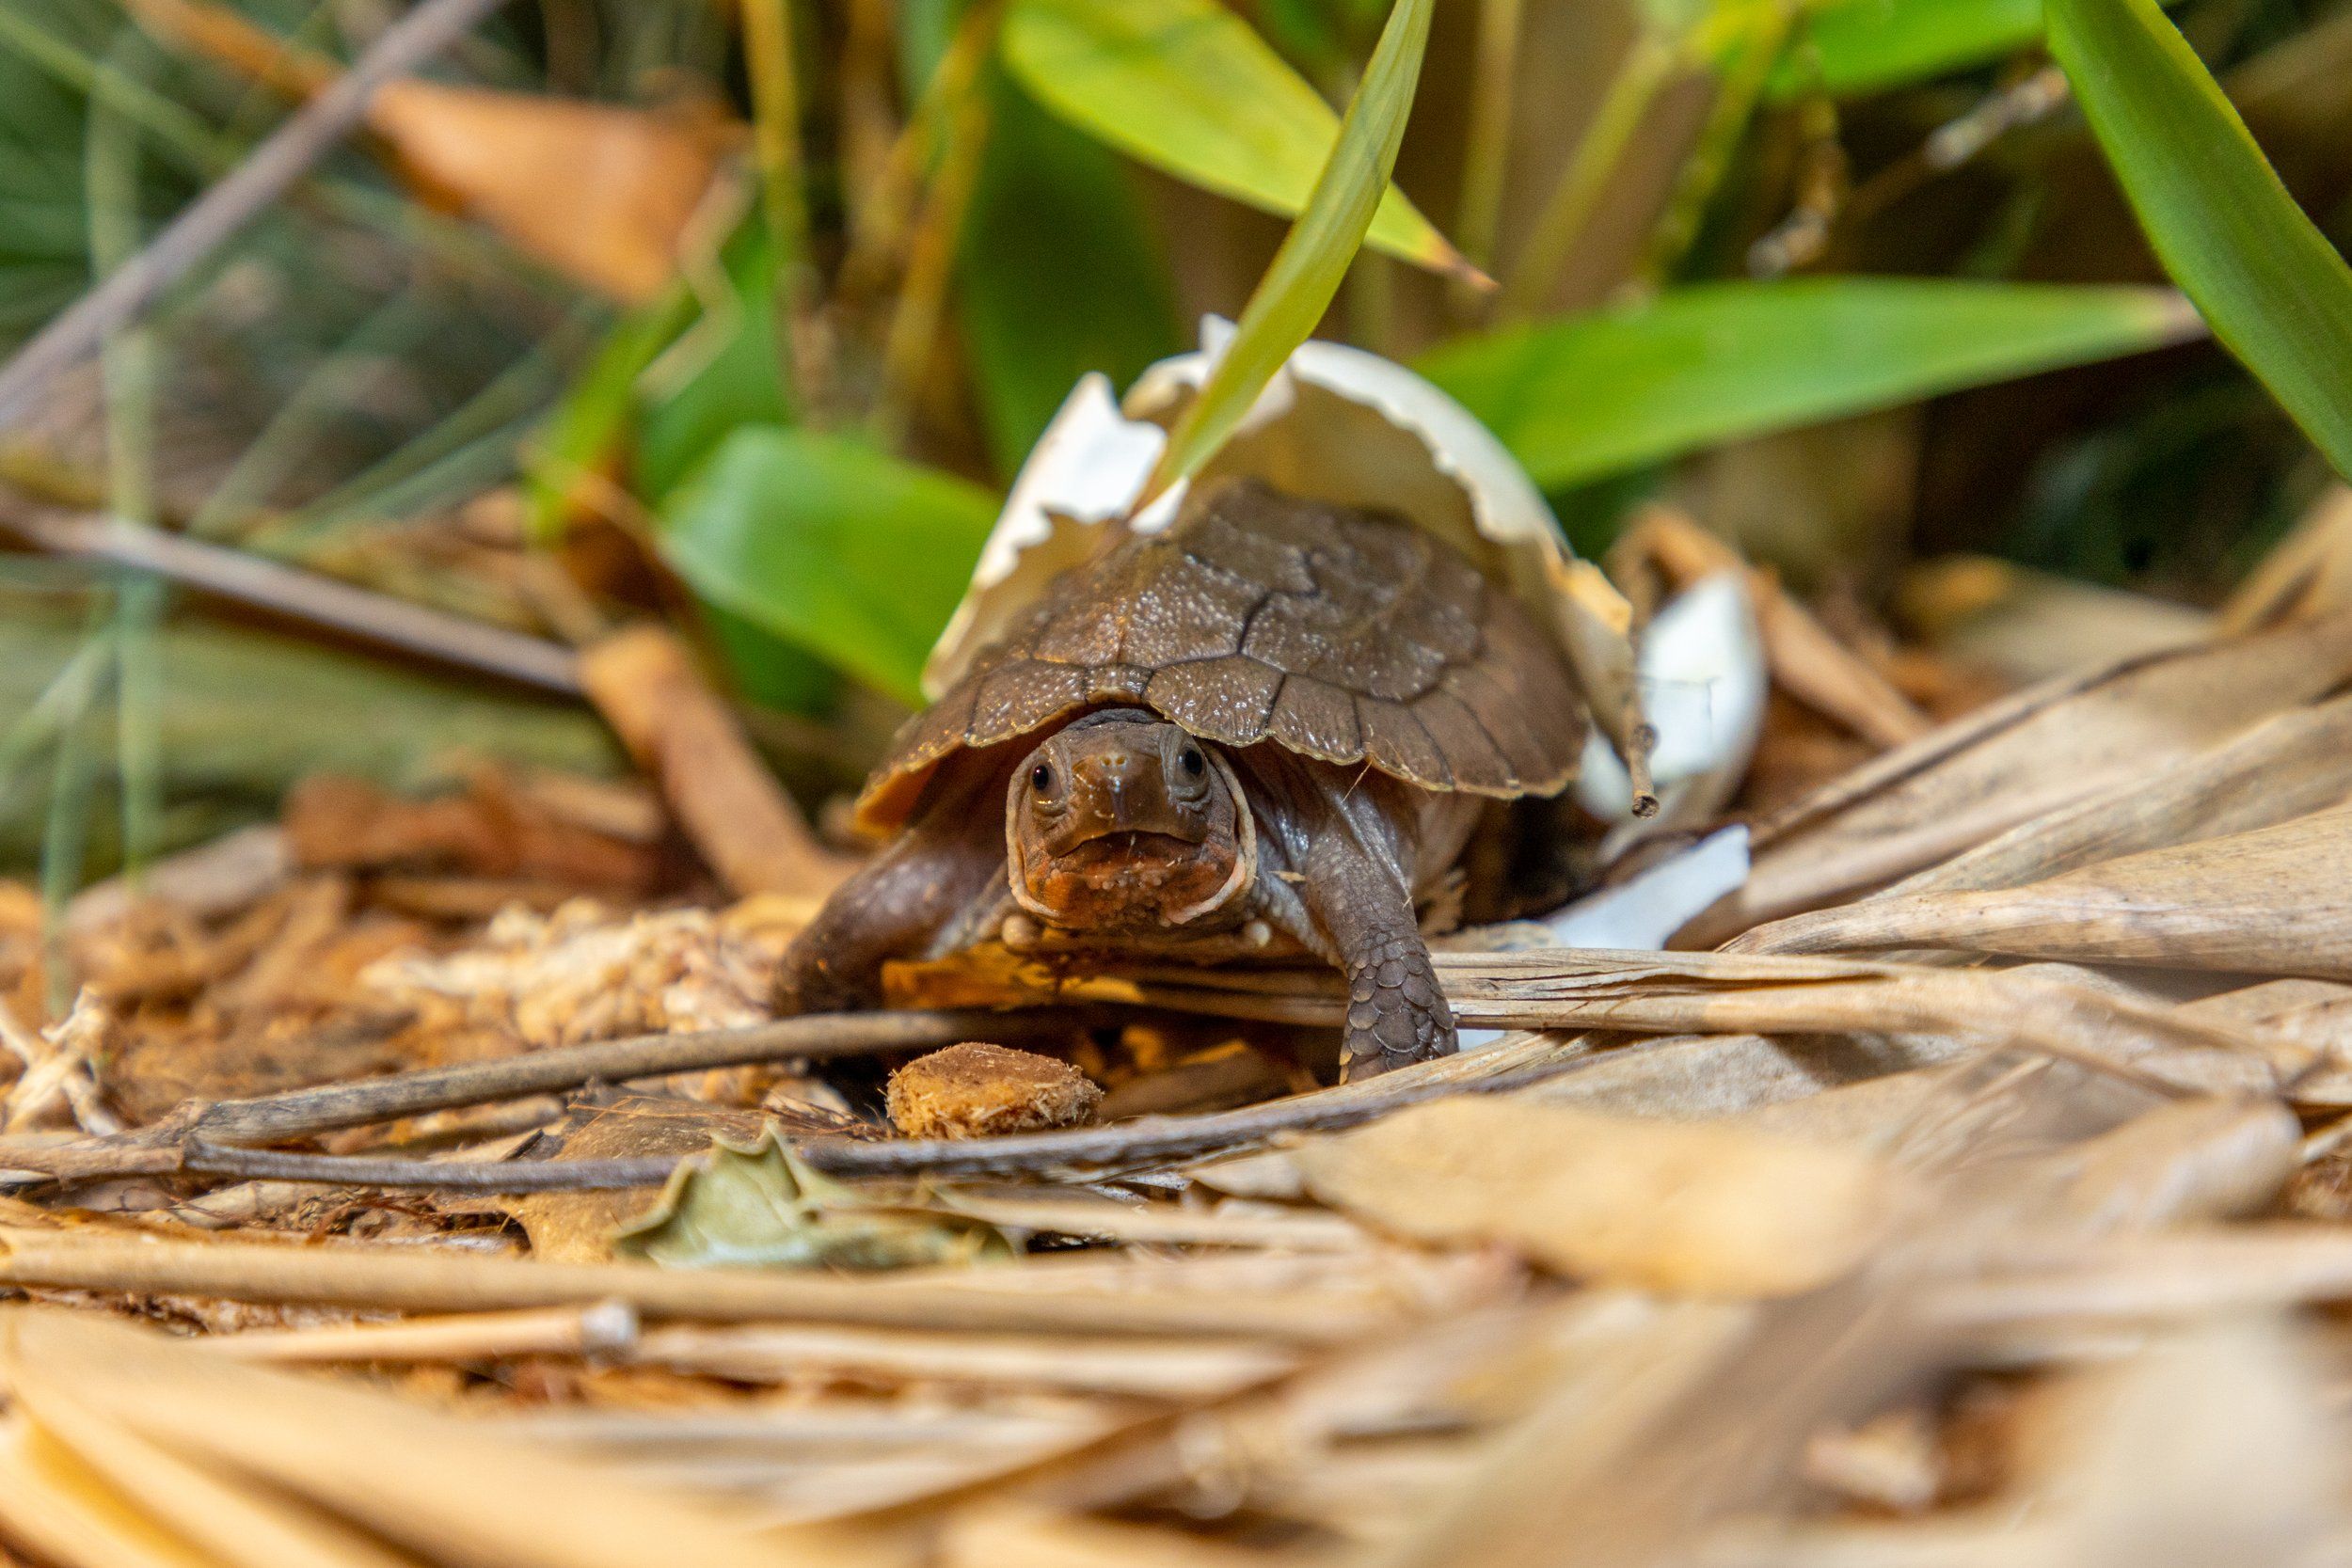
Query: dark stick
(283,158)
(162,1148)
(1146,1141)
(308,597)
(301,1112)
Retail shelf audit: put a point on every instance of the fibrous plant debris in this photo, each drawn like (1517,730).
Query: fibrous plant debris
(1921,1247)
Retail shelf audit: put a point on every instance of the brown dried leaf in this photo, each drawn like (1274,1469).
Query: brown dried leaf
(445,1488)
(2296,763)
(2034,752)
(749,830)
(1705,1211)
(2272,901)
(599,192)
(2308,575)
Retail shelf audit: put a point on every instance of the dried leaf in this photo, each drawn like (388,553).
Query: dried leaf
(2284,767)
(749,830)
(758,1206)
(442,1488)
(2272,901)
(2307,575)
(2041,750)
(600,192)
(1702,1210)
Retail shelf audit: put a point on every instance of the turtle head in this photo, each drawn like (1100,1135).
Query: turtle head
(1120,820)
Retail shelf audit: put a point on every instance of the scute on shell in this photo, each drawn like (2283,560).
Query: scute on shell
(1260,618)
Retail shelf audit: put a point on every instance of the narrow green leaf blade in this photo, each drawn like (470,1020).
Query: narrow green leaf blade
(1872,45)
(830,545)
(2275,290)
(1306,273)
(1585,396)
(1186,86)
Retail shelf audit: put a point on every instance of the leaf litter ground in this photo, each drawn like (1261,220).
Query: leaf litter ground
(1969,1186)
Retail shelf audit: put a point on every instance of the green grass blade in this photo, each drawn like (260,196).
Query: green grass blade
(2273,288)
(1306,273)
(1589,395)
(830,544)
(1186,86)
(1873,45)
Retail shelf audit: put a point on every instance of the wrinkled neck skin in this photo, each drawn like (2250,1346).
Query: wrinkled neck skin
(1121,824)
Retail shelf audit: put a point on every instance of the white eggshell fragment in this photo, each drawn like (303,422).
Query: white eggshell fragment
(1703,683)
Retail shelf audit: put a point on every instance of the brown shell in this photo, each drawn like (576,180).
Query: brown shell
(1343,635)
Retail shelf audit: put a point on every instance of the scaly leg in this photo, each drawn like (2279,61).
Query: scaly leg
(894,906)
(1395,1012)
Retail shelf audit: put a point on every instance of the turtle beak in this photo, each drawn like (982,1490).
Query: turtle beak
(1118,790)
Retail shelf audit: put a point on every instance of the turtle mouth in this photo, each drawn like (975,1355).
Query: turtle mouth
(1129,845)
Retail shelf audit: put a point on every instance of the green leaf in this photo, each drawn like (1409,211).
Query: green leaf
(731,372)
(1583,397)
(757,1206)
(2273,288)
(1060,274)
(589,423)
(1186,86)
(830,545)
(1305,273)
(1872,45)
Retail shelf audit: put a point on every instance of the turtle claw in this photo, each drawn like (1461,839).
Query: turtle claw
(1396,1015)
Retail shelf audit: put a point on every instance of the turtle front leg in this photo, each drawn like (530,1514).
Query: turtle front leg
(895,907)
(1395,1012)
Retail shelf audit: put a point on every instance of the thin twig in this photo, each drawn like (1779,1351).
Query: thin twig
(164,1146)
(1145,1141)
(411,1281)
(306,597)
(216,215)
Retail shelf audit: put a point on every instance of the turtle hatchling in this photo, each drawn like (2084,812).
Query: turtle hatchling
(1274,718)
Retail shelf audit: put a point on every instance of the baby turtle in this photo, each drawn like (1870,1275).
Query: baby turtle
(1276,716)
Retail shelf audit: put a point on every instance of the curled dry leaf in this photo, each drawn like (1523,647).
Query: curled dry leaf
(1708,1211)
(2309,575)
(2273,901)
(746,826)
(600,192)
(2286,766)
(2043,749)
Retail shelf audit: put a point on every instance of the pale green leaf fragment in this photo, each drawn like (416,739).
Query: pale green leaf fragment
(758,1206)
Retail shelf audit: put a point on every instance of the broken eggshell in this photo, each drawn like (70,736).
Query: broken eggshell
(1335,424)
(1703,681)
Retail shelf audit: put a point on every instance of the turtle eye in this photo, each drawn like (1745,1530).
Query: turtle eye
(1041,778)
(1192,762)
